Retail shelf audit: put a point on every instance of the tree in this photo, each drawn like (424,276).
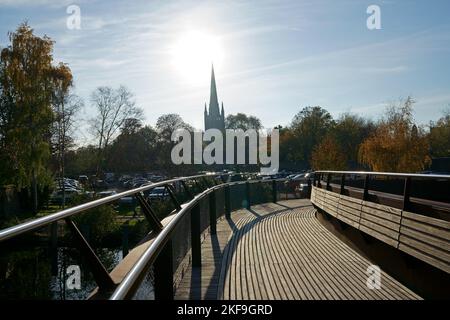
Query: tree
(397,144)
(440,136)
(27,88)
(328,155)
(308,128)
(242,121)
(168,123)
(349,132)
(165,126)
(65,107)
(113,107)
(135,149)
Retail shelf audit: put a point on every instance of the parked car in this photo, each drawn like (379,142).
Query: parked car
(83,179)
(158,193)
(106,193)
(101,184)
(299,183)
(69,193)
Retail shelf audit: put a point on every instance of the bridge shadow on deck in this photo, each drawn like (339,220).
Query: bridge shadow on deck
(281,251)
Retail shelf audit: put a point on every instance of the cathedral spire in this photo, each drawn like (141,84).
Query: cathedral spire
(213,101)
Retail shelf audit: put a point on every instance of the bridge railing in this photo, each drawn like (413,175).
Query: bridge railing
(159,254)
(407,191)
(170,240)
(410,212)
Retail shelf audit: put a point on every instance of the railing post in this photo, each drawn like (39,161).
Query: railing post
(163,273)
(227,202)
(328,181)
(212,212)
(195,236)
(247,195)
(343,184)
(274,191)
(319,184)
(309,189)
(366,188)
(406,194)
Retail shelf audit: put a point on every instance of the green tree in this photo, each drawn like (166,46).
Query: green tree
(242,121)
(349,132)
(165,126)
(308,128)
(65,107)
(135,149)
(27,88)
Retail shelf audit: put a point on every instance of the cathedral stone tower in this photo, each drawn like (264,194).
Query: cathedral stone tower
(214,118)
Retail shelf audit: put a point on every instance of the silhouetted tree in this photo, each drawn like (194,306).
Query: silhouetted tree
(114,107)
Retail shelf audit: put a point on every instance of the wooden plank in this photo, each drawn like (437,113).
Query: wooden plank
(382,214)
(381,207)
(429,250)
(434,241)
(369,229)
(426,228)
(424,257)
(427,220)
(350,199)
(350,204)
(386,224)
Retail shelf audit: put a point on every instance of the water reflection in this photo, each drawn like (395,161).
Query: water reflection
(40,273)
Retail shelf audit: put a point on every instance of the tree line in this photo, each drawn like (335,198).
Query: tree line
(394,143)
(39,114)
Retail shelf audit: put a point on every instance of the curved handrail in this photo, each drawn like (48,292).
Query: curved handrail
(43,221)
(124,289)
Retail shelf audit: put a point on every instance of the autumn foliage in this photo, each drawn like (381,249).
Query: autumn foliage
(328,155)
(397,145)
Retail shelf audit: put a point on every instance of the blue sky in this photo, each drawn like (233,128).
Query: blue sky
(278,56)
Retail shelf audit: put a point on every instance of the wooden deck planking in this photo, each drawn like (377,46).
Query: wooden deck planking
(281,251)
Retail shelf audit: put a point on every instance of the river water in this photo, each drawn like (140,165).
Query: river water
(42,273)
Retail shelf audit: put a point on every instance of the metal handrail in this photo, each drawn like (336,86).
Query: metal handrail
(394,174)
(124,289)
(46,220)
(161,242)
(151,253)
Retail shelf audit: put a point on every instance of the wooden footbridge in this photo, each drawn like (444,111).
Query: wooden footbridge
(241,241)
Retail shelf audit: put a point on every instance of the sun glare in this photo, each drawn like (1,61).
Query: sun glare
(193,54)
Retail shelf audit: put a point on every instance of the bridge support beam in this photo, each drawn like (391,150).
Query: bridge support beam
(173,197)
(149,214)
(99,272)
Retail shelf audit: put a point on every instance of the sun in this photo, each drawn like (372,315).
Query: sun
(193,53)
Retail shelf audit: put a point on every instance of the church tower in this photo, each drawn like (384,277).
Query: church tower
(214,118)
